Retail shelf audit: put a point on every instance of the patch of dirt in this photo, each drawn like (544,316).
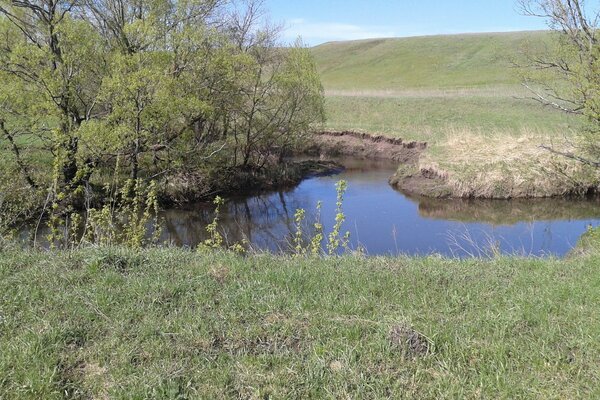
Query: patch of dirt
(363,145)
(219,273)
(409,341)
(336,366)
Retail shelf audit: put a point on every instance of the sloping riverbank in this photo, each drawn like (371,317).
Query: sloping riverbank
(408,179)
(237,181)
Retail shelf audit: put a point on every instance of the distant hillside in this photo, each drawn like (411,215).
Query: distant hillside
(429,62)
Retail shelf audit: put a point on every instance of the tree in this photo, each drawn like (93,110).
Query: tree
(566,74)
(147,88)
(279,99)
(60,59)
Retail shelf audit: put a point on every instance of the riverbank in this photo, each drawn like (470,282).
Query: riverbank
(170,323)
(361,145)
(468,166)
(409,178)
(195,186)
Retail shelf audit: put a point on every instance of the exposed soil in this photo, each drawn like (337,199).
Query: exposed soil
(363,145)
(411,343)
(412,180)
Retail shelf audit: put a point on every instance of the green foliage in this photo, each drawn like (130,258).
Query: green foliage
(334,240)
(565,75)
(129,217)
(215,241)
(310,242)
(317,236)
(168,89)
(299,248)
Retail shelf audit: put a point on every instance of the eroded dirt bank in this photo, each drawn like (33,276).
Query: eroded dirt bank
(363,145)
(409,178)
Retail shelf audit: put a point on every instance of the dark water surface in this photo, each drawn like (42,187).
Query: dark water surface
(383,221)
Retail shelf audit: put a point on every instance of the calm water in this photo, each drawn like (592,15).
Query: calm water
(383,221)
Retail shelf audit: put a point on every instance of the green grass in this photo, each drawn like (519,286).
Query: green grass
(429,119)
(112,323)
(419,87)
(434,62)
(168,323)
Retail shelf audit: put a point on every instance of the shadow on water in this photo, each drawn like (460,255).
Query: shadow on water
(384,221)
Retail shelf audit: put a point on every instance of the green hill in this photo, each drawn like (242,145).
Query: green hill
(439,62)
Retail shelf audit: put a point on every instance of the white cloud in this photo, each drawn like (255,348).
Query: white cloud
(328,31)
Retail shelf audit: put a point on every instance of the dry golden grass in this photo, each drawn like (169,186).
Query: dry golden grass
(503,165)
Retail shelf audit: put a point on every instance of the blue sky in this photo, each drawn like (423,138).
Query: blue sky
(318,21)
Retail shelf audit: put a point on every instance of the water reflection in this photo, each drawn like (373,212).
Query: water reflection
(384,221)
(265,221)
(508,212)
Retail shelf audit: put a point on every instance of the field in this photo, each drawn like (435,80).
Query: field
(115,323)
(462,95)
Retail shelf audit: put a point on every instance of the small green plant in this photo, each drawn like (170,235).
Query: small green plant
(317,238)
(140,207)
(335,241)
(215,240)
(127,218)
(130,219)
(299,217)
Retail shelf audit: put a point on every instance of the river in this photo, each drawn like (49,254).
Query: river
(383,221)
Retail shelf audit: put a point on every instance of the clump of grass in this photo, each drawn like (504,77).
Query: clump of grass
(588,244)
(409,341)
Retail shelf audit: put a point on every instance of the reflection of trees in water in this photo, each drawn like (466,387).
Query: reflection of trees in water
(266,221)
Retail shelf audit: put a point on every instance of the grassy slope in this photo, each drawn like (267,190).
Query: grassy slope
(109,323)
(436,62)
(460,94)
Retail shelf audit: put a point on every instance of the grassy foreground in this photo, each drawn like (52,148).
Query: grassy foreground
(461,95)
(114,323)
